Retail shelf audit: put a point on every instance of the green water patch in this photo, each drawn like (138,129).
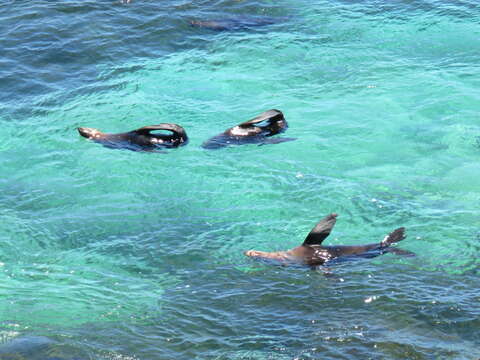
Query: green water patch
(42,285)
(54,294)
(48,279)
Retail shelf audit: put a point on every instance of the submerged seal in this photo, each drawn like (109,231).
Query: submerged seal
(236,23)
(25,345)
(147,138)
(254,131)
(312,253)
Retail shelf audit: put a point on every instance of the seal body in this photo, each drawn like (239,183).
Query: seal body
(147,138)
(236,23)
(254,131)
(312,253)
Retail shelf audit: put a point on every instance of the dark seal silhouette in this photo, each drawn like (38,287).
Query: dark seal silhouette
(147,138)
(254,131)
(237,23)
(312,253)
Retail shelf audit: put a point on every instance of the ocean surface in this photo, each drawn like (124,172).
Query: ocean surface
(114,254)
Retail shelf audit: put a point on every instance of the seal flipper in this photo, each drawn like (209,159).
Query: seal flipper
(269,116)
(321,230)
(394,237)
(176,129)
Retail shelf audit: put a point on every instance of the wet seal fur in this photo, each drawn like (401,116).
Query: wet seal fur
(143,139)
(254,131)
(312,253)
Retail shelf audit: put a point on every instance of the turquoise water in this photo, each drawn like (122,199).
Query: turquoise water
(111,254)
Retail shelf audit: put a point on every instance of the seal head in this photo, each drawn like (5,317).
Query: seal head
(90,133)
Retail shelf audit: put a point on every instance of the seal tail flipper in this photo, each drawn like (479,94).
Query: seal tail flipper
(394,237)
(276,141)
(269,116)
(176,129)
(321,230)
(400,252)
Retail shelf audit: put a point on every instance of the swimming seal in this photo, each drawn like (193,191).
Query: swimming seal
(312,253)
(254,131)
(143,139)
(236,23)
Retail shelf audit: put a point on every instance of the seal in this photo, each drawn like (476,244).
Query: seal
(254,131)
(236,23)
(312,253)
(147,138)
(18,347)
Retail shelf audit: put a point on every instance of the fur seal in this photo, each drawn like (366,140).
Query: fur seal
(252,131)
(236,23)
(143,139)
(312,253)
